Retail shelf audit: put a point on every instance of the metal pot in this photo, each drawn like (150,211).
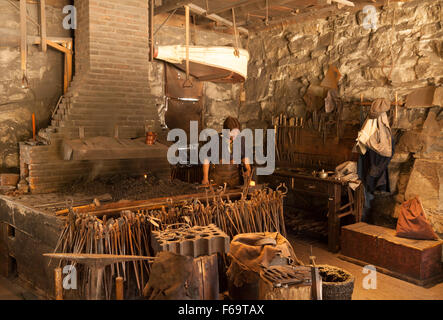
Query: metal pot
(323,174)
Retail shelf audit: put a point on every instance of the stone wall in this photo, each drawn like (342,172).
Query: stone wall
(45,75)
(285,60)
(404,53)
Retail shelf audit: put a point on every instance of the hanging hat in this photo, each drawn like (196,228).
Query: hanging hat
(378,107)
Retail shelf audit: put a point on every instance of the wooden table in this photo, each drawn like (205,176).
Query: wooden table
(330,188)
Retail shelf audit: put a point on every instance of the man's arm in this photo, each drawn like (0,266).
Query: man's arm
(205,172)
(247,167)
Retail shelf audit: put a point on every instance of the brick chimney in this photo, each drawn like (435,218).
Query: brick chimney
(115,89)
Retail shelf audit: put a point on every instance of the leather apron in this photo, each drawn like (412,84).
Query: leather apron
(229,173)
(225,173)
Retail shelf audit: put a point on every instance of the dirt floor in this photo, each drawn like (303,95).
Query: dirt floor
(388,288)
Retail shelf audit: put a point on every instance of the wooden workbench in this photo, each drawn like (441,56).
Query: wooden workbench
(330,188)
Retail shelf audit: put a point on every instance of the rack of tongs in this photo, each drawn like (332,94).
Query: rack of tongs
(287,133)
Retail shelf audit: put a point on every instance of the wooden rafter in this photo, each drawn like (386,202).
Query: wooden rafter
(59,47)
(304,16)
(174,4)
(170,5)
(233,6)
(196,9)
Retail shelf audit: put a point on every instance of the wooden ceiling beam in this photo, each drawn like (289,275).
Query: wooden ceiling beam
(170,5)
(196,9)
(233,6)
(309,15)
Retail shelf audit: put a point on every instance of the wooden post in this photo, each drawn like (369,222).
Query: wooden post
(23,37)
(358,203)
(316,284)
(151,30)
(187,83)
(65,74)
(333,221)
(119,288)
(43,44)
(33,126)
(69,62)
(58,284)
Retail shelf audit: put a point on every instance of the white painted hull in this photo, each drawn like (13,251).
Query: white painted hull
(218,58)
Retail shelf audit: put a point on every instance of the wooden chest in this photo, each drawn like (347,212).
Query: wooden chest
(417,261)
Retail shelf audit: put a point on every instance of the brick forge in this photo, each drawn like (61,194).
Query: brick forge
(115,89)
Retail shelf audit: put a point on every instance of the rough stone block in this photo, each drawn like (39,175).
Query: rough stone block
(426,181)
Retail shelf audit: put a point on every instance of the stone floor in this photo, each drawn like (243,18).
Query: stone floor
(388,288)
(10,289)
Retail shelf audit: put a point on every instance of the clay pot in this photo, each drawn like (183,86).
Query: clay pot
(151,137)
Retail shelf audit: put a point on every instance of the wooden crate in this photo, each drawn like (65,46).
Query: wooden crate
(417,261)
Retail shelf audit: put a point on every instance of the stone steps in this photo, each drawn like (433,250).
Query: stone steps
(99,123)
(106,108)
(138,100)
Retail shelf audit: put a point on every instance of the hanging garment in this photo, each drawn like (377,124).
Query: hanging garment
(376,135)
(412,222)
(381,140)
(375,170)
(378,107)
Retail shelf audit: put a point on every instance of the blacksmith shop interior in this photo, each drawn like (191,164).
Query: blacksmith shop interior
(221,150)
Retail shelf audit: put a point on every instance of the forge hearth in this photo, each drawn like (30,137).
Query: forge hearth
(108,97)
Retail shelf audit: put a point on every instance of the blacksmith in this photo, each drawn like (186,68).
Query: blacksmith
(232,174)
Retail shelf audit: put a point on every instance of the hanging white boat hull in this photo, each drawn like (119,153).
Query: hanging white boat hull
(218,64)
